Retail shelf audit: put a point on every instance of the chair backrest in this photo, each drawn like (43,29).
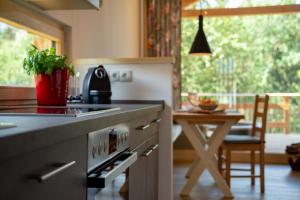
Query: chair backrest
(260,115)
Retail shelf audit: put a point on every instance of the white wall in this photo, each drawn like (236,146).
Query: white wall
(113,31)
(149,82)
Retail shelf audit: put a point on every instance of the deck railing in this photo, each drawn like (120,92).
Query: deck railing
(283,114)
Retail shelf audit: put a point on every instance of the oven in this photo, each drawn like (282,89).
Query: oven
(109,156)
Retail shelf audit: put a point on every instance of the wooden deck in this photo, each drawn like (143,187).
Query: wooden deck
(276,143)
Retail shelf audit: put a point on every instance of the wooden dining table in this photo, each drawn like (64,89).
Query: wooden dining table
(206,147)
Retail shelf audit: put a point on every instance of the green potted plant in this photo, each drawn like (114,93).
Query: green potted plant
(51,73)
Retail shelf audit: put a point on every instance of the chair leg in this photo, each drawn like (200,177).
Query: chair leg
(252,162)
(228,162)
(262,169)
(220,160)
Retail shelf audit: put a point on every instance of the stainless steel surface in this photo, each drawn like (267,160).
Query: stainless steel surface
(147,153)
(155,147)
(4,125)
(106,143)
(119,169)
(156,120)
(143,127)
(60,169)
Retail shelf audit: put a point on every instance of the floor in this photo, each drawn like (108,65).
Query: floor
(281,184)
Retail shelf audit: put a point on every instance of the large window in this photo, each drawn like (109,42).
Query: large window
(14,41)
(251,55)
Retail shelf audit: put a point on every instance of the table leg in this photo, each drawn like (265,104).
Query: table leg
(196,160)
(198,170)
(192,167)
(207,156)
(204,142)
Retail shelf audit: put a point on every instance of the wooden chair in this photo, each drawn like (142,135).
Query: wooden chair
(252,143)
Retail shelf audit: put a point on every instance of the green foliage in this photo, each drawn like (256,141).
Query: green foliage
(12,52)
(265,54)
(45,61)
(258,54)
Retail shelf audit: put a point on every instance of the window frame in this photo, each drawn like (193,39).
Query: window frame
(39,23)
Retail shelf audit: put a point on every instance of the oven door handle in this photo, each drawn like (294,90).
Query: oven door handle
(101,181)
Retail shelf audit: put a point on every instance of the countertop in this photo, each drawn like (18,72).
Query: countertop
(34,132)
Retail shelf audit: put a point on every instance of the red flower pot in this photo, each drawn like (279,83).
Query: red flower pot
(52,90)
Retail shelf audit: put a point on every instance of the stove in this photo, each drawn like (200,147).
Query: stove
(71,110)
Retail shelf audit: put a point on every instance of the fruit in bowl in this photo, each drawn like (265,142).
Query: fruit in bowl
(205,103)
(208,104)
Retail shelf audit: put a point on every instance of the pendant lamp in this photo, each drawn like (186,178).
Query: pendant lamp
(200,45)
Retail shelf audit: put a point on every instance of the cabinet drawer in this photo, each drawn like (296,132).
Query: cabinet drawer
(139,130)
(152,169)
(55,172)
(144,173)
(154,120)
(143,128)
(137,175)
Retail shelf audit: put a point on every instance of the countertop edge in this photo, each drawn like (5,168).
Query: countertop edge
(19,144)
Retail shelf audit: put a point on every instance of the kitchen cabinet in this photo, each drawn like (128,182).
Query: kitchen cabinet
(54,172)
(65,4)
(137,175)
(143,175)
(152,171)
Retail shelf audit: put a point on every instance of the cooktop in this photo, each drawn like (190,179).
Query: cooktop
(75,110)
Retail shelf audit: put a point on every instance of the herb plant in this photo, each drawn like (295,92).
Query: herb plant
(45,61)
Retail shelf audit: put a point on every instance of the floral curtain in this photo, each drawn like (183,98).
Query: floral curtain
(164,36)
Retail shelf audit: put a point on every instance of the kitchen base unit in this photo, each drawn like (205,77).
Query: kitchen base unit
(54,172)
(143,174)
(111,155)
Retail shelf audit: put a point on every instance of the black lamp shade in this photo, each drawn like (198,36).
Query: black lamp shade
(200,45)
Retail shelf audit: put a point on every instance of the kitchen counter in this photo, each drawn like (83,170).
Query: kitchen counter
(34,132)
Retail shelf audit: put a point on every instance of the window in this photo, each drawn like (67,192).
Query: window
(251,55)
(14,41)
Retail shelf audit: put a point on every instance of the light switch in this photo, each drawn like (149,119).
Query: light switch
(125,75)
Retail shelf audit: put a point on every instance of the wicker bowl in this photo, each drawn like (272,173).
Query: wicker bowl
(208,107)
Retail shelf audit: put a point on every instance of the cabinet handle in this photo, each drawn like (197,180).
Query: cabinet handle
(155,147)
(58,170)
(156,120)
(147,154)
(143,127)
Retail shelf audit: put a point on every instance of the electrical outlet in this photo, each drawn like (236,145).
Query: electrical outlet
(125,75)
(114,75)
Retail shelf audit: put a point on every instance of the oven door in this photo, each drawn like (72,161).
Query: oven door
(102,177)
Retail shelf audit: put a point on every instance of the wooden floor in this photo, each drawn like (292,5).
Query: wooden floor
(281,184)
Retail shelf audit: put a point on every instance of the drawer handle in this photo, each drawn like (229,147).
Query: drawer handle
(96,180)
(147,154)
(155,147)
(58,170)
(156,120)
(143,127)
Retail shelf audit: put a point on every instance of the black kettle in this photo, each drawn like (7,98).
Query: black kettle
(96,86)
